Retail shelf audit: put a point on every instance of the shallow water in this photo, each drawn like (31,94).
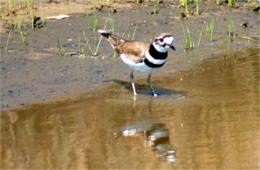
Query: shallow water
(207,117)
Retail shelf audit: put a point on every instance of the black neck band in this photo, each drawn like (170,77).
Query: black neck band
(156,54)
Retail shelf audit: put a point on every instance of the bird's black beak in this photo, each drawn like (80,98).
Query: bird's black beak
(172,47)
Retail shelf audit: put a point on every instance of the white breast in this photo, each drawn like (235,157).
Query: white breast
(142,67)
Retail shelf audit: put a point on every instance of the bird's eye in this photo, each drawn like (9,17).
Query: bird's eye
(161,40)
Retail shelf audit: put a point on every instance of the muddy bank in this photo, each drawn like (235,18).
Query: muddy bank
(36,72)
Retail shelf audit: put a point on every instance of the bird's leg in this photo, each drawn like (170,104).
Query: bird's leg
(132,82)
(149,82)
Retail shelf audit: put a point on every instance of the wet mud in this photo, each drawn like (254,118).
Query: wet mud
(207,117)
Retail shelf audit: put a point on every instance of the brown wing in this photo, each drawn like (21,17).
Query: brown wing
(133,49)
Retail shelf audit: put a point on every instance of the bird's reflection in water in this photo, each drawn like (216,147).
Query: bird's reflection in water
(155,133)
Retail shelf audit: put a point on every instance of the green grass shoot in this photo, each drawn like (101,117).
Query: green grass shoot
(138,1)
(112,23)
(188,37)
(43,17)
(60,46)
(155,3)
(230,26)
(230,3)
(7,42)
(218,2)
(32,14)
(18,21)
(23,36)
(197,7)
(133,36)
(30,10)
(201,33)
(210,29)
(82,49)
(94,50)
(184,3)
(90,5)
(94,21)
(112,26)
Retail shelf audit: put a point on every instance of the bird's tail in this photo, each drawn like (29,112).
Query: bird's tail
(114,40)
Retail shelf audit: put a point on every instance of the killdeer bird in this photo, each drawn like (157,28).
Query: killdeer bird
(141,56)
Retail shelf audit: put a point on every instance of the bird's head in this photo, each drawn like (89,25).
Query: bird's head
(163,42)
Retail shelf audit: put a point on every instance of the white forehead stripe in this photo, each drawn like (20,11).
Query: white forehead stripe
(168,40)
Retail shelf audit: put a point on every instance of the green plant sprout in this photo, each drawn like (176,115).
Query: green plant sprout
(32,14)
(30,10)
(201,33)
(230,26)
(112,23)
(133,36)
(7,42)
(94,21)
(138,1)
(188,38)
(210,29)
(197,7)
(112,26)
(232,3)
(60,46)
(94,50)
(90,5)
(43,17)
(184,3)
(18,21)
(23,36)
(155,3)
(229,38)
(82,50)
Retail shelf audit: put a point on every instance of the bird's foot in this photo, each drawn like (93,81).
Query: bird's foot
(155,95)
